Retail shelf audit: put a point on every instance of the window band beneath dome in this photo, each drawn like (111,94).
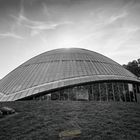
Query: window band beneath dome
(104,91)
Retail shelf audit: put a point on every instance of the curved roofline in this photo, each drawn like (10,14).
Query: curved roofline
(63,83)
(81,68)
(61,49)
(55,50)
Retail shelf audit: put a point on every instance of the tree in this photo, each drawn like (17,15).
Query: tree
(133,67)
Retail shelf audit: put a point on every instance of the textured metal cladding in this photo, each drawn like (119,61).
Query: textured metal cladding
(59,84)
(59,65)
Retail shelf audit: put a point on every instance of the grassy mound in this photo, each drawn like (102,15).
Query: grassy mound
(40,120)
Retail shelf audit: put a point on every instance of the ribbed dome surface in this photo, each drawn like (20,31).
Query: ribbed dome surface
(58,68)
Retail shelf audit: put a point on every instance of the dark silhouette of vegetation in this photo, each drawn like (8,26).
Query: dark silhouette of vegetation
(133,67)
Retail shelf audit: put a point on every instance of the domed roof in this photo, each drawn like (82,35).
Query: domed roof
(59,68)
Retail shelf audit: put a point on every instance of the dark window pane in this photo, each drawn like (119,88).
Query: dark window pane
(122,98)
(91,95)
(116,91)
(81,93)
(126,92)
(110,91)
(131,92)
(103,92)
(72,95)
(95,91)
(55,95)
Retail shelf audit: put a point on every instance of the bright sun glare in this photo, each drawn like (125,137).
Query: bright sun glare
(68,41)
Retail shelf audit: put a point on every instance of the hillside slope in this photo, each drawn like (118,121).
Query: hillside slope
(40,120)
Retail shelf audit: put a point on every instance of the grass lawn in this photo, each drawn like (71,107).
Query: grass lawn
(45,120)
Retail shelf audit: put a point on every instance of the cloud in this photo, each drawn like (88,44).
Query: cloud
(94,36)
(37,26)
(46,10)
(121,37)
(117,17)
(9,34)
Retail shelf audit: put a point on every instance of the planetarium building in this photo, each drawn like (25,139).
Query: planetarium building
(70,74)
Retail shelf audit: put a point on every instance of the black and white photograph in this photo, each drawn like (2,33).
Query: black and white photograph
(69,69)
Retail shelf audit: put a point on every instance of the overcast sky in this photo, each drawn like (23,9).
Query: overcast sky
(31,27)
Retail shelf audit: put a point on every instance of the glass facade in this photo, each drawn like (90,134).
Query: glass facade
(103,91)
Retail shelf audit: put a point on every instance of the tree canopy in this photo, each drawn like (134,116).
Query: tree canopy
(133,67)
